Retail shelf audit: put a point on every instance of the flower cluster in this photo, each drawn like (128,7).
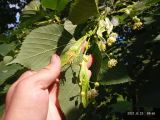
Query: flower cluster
(137,23)
(112,63)
(112,38)
(102,45)
(92,93)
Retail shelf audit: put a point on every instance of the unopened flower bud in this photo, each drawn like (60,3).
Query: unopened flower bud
(96,84)
(82,93)
(80,83)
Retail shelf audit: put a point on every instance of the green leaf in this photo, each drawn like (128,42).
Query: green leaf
(51,4)
(39,46)
(138,7)
(69,27)
(33,5)
(148,20)
(148,94)
(6,48)
(8,71)
(72,51)
(7,59)
(61,4)
(4,89)
(69,92)
(81,10)
(125,79)
(121,106)
(104,25)
(54,4)
(32,14)
(84,80)
(150,2)
(157,38)
(97,62)
(31,8)
(114,76)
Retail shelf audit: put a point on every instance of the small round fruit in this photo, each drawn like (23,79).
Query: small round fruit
(80,83)
(82,93)
(96,84)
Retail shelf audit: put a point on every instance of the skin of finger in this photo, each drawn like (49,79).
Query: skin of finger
(28,98)
(23,76)
(26,85)
(47,76)
(27,74)
(54,93)
(53,112)
(90,61)
(34,102)
(89,73)
(13,87)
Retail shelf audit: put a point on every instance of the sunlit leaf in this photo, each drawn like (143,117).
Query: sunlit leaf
(39,46)
(7,59)
(72,52)
(84,80)
(69,92)
(31,8)
(69,27)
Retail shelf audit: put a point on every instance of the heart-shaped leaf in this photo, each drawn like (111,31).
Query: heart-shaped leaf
(39,46)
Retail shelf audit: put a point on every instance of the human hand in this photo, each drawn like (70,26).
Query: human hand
(34,96)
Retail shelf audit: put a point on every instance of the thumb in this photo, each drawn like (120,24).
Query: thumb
(47,76)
